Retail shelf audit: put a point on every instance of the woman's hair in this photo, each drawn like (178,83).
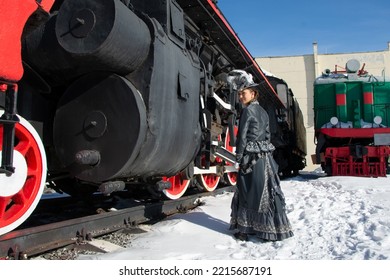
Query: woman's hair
(256,91)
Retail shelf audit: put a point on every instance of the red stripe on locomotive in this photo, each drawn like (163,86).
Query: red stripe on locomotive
(368,98)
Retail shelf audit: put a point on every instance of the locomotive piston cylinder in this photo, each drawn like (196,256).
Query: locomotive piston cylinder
(87,36)
(107,149)
(106,33)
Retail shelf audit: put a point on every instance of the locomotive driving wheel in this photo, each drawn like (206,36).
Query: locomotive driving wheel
(178,188)
(21,192)
(208,182)
(230,177)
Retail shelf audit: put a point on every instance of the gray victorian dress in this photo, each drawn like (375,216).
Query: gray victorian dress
(258,205)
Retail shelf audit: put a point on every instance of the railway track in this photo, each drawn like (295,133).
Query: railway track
(40,234)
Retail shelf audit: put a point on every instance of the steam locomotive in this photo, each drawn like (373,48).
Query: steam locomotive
(112,95)
(352,122)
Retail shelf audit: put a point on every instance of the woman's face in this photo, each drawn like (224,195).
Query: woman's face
(246,96)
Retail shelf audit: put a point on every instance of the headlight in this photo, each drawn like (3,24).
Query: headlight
(378,120)
(334,121)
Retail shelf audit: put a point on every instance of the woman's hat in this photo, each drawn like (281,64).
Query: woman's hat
(246,85)
(240,80)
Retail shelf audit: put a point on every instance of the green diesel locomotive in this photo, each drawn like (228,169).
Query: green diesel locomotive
(352,122)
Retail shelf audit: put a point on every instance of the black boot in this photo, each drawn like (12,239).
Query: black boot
(241,236)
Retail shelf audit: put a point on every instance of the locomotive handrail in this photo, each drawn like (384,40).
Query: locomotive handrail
(225,105)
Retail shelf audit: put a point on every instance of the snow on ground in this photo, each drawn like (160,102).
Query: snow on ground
(334,218)
(339,223)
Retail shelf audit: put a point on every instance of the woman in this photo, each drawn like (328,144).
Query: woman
(258,205)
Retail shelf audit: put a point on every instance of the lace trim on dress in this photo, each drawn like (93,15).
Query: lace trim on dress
(270,226)
(255,150)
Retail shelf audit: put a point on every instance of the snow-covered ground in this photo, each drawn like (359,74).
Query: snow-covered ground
(334,218)
(339,223)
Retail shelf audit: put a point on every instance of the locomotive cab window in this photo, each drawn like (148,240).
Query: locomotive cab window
(282,93)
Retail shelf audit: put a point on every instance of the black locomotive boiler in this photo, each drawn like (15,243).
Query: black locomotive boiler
(125,94)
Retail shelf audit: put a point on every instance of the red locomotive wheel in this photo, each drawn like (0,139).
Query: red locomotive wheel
(21,192)
(179,187)
(209,182)
(230,177)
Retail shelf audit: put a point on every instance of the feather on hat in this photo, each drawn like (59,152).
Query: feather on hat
(240,80)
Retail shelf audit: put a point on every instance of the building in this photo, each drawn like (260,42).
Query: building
(300,72)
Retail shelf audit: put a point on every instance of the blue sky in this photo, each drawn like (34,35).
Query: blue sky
(287,27)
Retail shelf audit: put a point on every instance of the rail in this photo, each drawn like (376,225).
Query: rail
(28,242)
